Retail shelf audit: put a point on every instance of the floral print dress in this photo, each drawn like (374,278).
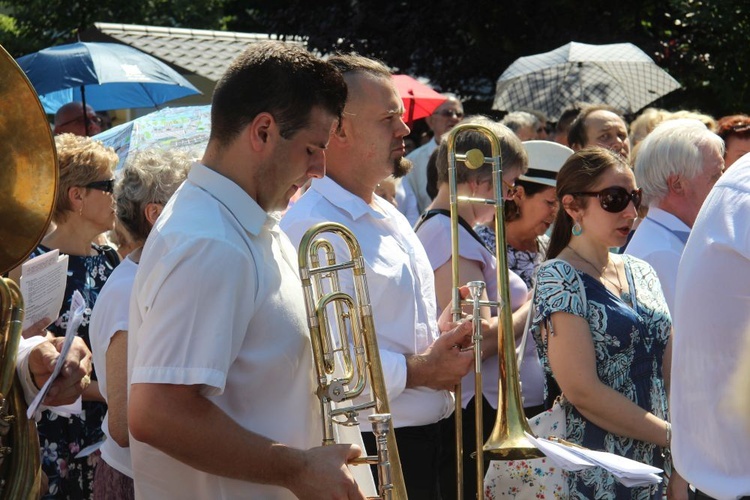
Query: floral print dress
(630,336)
(61,438)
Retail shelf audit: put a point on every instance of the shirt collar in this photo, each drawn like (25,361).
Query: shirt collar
(667,219)
(242,206)
(339,197)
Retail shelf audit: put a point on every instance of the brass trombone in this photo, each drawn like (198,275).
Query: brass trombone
(343,380)
(508,440)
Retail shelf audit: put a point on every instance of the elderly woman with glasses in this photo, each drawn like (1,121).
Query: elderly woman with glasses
(84,209)
(476,263)
(602,326)
(146,184)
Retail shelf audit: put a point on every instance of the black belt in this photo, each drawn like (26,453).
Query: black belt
(699,495)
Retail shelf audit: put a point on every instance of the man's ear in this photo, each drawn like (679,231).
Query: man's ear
(341,131)
(676,184)
(261,130)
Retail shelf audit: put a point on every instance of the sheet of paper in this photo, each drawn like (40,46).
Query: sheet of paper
(43,281)
(77,306)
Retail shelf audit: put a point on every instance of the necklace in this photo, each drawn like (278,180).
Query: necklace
(623,295)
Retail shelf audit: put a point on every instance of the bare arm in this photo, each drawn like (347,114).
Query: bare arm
(443,365)
(573,362)
(117,388)
(180,422)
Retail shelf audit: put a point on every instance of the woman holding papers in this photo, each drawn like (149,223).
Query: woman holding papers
(84,208)
(602,326)
(146,184)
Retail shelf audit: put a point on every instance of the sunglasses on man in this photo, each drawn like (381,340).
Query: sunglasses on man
(615,199)
(107,186)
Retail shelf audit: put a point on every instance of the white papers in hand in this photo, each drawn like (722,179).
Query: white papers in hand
(43,281)
(573,458)
(75,318)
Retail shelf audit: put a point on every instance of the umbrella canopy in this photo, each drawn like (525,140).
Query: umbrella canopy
(103,75)
(185,128)
(419,99)
(620,75)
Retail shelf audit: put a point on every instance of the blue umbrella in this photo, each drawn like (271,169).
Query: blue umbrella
(103,75)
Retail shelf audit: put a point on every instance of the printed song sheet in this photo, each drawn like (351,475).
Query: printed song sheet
(43,281)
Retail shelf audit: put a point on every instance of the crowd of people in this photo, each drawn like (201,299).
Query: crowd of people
(625,251)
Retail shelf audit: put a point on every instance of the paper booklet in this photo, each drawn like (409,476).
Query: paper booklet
(43,280)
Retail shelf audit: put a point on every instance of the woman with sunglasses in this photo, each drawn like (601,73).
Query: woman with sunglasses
(602,326)
(84,209)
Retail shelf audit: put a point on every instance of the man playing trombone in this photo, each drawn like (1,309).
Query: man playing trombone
(222,395)
(420,365)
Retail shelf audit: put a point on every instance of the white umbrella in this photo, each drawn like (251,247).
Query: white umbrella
(620,75)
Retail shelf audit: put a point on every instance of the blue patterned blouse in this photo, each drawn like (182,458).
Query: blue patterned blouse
(629,343)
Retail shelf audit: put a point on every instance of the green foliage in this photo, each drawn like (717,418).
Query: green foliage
(462,47)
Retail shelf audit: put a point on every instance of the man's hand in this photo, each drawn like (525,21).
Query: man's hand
(325,475)
(444,364)
(74,376)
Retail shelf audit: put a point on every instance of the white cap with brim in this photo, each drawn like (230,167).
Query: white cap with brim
(546,158)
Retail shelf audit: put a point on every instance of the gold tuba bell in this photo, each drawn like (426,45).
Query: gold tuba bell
(28,180)
(344,368)
(508,440)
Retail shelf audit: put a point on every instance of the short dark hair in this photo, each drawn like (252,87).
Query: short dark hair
(349,63)
(282,79)
(577,133)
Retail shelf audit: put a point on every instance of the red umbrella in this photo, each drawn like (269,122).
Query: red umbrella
(419,99)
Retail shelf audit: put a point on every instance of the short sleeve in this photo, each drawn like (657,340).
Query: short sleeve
(558,289)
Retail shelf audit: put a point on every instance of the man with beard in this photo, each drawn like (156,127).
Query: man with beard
(420,365)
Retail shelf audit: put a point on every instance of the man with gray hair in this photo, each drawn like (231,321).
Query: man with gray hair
(412,196)
(676,166)
(524,124)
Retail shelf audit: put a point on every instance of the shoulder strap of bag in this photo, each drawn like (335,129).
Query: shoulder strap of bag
(441,211)
(110,253)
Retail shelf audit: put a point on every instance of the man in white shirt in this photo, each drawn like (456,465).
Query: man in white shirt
(676,166)
(420,365)
(412,197)
(710,443)
(222,398)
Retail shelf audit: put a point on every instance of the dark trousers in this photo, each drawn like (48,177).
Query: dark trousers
(419,449)
(699,495)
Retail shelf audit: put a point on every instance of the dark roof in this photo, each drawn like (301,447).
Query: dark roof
(203,52)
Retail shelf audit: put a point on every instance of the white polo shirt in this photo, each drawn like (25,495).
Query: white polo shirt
(401,286)
(660,241)
(218,302)
(710,444)
(110,315)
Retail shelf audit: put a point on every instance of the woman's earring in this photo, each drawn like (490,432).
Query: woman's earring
(577,229)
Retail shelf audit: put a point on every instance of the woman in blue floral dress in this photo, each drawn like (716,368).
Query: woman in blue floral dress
(602,326)
(84,209)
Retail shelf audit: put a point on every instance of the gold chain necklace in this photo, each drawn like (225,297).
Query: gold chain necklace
(624,296)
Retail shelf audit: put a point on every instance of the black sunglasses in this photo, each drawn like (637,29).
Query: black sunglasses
(107,186)
(616,199)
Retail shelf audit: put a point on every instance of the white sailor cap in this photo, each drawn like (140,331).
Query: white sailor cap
(546,158)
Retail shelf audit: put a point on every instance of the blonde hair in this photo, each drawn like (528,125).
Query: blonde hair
(82,160)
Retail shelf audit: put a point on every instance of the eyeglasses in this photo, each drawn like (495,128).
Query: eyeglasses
(616,199)
(450,113)
(107,186)
(95,119)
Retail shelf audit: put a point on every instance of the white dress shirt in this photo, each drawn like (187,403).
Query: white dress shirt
(417,178)
(710,444)
(25,346)
(407,201)
(401,286)
(435,236)
(110,315)
(217,302)
(660,241)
